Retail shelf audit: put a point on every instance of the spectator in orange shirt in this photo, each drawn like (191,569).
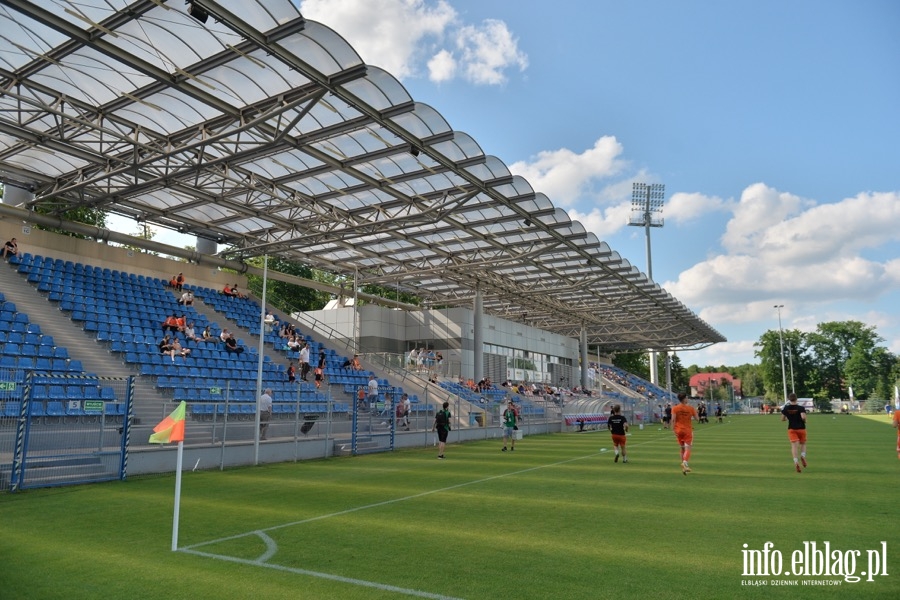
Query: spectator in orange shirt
(682,415)
(170,324)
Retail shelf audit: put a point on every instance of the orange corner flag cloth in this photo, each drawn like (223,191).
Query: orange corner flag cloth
(170,429)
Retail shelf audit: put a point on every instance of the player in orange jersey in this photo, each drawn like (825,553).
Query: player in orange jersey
(682,415)
(896,424)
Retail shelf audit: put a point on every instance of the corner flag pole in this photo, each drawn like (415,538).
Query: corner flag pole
(178,462)
(171,429)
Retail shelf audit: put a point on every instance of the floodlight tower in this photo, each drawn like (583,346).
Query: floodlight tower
(646,208)
(781,343)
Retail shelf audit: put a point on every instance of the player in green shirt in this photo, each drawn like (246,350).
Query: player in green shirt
(510,417)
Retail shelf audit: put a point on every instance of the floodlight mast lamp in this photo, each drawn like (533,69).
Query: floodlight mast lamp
(781,343)
(646,206)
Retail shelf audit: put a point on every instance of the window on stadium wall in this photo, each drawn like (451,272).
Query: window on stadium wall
(524,365)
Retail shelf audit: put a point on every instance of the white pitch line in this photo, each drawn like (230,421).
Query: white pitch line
(338,578)
(385,502)
(272,547)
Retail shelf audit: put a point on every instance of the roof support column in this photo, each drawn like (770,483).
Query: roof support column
(478,338)
(669,374)
(654,368)
(585,362)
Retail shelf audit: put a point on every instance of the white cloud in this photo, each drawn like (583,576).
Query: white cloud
(442,67)
(603,222)
(391,34)
(565,177)
(405,37)
(487,51)
(683,207)
(778,245)
(759,209)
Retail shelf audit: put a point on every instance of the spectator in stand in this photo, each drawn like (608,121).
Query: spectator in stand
(179,281)
(228,291)
(304,361)
(11,248)
(361,398)
(398,413)
(265,412)
(224,335)
(165,347)
(187,298)
(181,322)
(189,333)
(407,408)
(179,350)
(320,369)
(173,282)
(231,345)
(171,323)
(291,373)
(355,364)
(236,293)
(270,321)
(372,398)
(208,335)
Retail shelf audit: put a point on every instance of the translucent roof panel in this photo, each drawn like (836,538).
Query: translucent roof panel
(268,132)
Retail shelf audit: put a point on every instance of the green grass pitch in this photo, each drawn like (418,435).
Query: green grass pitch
(557,518)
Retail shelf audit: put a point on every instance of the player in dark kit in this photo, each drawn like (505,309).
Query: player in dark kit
(795,415)
(618,427)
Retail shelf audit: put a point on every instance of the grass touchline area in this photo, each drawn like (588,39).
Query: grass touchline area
(557,518)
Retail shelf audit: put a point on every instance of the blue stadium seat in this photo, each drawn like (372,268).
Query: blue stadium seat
(56,409)
(11,409)
(36,410)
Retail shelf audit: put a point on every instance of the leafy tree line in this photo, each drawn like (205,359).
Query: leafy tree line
(825,364)
(829,361)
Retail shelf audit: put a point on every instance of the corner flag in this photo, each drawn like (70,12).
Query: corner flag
(170,429)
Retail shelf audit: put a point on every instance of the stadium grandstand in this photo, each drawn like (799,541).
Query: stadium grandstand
(262,134)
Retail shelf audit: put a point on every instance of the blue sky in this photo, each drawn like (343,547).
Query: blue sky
(774,126)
